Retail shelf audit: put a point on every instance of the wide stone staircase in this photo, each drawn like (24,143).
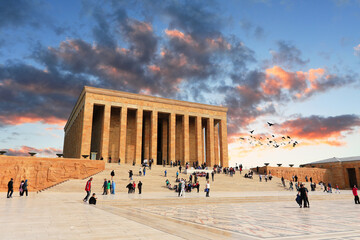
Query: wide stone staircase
(154,180)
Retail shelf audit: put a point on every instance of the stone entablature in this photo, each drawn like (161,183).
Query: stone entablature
(125,125)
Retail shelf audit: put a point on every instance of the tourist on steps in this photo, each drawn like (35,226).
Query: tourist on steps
(88,189)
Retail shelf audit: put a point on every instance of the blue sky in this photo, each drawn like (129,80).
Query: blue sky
(294,63)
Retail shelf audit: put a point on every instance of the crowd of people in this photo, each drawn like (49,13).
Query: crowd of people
(23,188)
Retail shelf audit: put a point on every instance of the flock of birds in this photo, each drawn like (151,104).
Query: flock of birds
(270,141)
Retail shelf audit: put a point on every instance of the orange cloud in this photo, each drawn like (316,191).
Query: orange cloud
(24,151)
(181,36)
(301,83)
(17,120)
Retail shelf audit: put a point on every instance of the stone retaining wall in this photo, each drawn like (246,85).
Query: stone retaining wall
(44,172)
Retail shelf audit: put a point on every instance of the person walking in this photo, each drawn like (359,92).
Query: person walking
(87,189)
(112,175)
(21,190)
(108,188)
(356,196)
(177,174)
(182,193)
(10,188)
(130,174)
(105,187)
(140,171)
(139,186)
(179,188)
(144,171)
(260,177)
(197,185)
(304,196)
(337,189)
(25,187)
(119,161)
(212,175)
(207,189)
(112,187)
(165,173)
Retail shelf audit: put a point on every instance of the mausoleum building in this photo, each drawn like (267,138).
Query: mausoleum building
(115,125)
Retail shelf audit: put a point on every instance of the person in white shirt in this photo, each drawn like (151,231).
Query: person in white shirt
(207,189)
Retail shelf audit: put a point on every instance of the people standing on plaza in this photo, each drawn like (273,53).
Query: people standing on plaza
(88,189)
(171,163)
(144,171)
(177,174)
(296,178)
(266,178)
(129,187)
(179,188)
(134,186)
(21,190)
(130,174)
(150,162)
(329,188)
(306,179)
(311,179)
(119,161)
(180,168)
(212,175)
(139,186)
(182,193)
(260,177)
(337,189)
(291,188)
(207,176)
(105,187)
(112,187)
(197,185)
(165,173)
(140,171)
(92,200)
(283,181)
(207,189)
(304,196)
(293,178)
(112,175)
(10,188)
(25,187)
(108,188)
(356,196)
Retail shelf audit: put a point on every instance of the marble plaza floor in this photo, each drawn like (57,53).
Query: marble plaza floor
(242,215)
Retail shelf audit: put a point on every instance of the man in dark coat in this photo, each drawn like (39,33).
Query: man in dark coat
(303,195)
(92,200)
(139,186)
(10,188)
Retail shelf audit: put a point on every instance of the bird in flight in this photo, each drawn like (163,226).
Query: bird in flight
(270,124)
(252,131)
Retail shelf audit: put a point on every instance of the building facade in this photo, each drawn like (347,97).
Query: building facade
(131,127)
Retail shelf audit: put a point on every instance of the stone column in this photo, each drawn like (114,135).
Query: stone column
(138,144)
(223,144)
(122,134)
(216,143)
(172,130)
(105,133)
(199,143)
(186,139)
(210,142)
(154,136)
(164,147)
(357,174)
(86,128)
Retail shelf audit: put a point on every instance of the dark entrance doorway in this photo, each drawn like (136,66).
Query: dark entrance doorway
(352,176)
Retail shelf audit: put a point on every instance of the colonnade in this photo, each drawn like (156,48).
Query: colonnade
(133,134)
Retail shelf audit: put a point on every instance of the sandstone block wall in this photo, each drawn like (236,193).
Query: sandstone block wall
(44,172)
